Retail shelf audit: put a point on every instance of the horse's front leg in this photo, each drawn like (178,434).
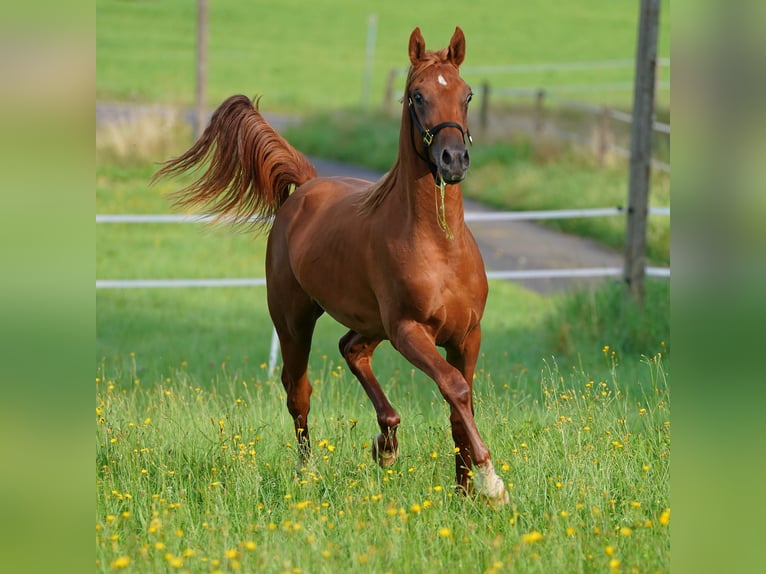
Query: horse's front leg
(416,344)
(464,360)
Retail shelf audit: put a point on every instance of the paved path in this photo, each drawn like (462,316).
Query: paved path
(516,245)
(505,246)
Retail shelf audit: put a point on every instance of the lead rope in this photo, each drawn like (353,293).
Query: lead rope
(441,213)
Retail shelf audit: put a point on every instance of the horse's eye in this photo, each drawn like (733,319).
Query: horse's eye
(418,98)
(468,99)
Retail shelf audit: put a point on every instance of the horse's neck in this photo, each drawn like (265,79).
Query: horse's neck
(424,201)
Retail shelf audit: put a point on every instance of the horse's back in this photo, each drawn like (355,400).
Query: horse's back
(320,241)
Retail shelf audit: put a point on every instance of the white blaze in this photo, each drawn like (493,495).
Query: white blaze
(442,81)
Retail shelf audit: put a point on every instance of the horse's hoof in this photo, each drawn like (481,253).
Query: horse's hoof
(501,500)
(385,458)
(489,486)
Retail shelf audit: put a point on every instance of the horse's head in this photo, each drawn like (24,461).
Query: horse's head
(438,98)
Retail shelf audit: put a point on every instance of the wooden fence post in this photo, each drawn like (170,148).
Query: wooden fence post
(603,136)
(641,149)
(484,109)
(372,30)
(200,97)
(539,101)
(388,96)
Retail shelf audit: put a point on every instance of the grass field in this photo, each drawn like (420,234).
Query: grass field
(195,456)
(200,479)
(306,57)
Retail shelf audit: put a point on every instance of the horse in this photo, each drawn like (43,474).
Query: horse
(391,260)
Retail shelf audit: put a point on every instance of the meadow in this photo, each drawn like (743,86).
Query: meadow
(195,455)
(203,479)
(311,57)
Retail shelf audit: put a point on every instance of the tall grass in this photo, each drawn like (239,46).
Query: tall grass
(199,480)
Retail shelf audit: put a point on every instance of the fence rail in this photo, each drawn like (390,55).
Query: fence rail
(390,94)
(470,216)
(544,67)
(547,92)
(578,272)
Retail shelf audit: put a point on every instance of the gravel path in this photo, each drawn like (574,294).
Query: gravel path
(505,246)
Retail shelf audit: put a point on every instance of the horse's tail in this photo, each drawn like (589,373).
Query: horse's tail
(250,169)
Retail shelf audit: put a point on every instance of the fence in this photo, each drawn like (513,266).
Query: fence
(557,95)
(469,217)
(395,73)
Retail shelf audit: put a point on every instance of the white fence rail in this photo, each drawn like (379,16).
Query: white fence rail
(577,272)
(469,216)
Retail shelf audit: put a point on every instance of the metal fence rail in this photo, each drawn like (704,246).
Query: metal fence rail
(471,216)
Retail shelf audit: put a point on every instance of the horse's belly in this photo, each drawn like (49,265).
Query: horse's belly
(341,290)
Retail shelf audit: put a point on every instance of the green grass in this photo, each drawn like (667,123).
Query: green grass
(305,57)
(195,458)
(203,479)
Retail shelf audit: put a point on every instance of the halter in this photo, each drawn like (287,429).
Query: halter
(427,135)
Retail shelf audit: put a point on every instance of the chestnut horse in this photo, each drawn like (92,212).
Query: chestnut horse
(390,260)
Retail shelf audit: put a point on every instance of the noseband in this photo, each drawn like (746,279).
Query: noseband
(427,135)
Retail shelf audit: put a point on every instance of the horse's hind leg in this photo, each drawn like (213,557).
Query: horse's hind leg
(294,316)
(357,350)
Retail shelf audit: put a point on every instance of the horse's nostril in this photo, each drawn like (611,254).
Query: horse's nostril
(446,158)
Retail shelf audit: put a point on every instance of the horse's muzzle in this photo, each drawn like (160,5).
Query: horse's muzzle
(453,162)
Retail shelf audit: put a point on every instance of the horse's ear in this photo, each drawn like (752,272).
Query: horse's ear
(456,52)
(417,46)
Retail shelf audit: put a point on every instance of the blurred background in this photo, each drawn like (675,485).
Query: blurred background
(551,117)
(312,65)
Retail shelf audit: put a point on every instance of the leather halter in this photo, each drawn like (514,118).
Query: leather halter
(427,135)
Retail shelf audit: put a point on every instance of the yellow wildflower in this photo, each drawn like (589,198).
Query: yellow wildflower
(532,537)
(120,562)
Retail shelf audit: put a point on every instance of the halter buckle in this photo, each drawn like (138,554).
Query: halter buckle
(428,137)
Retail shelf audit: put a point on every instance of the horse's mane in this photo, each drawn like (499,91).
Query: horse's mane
(380,189)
